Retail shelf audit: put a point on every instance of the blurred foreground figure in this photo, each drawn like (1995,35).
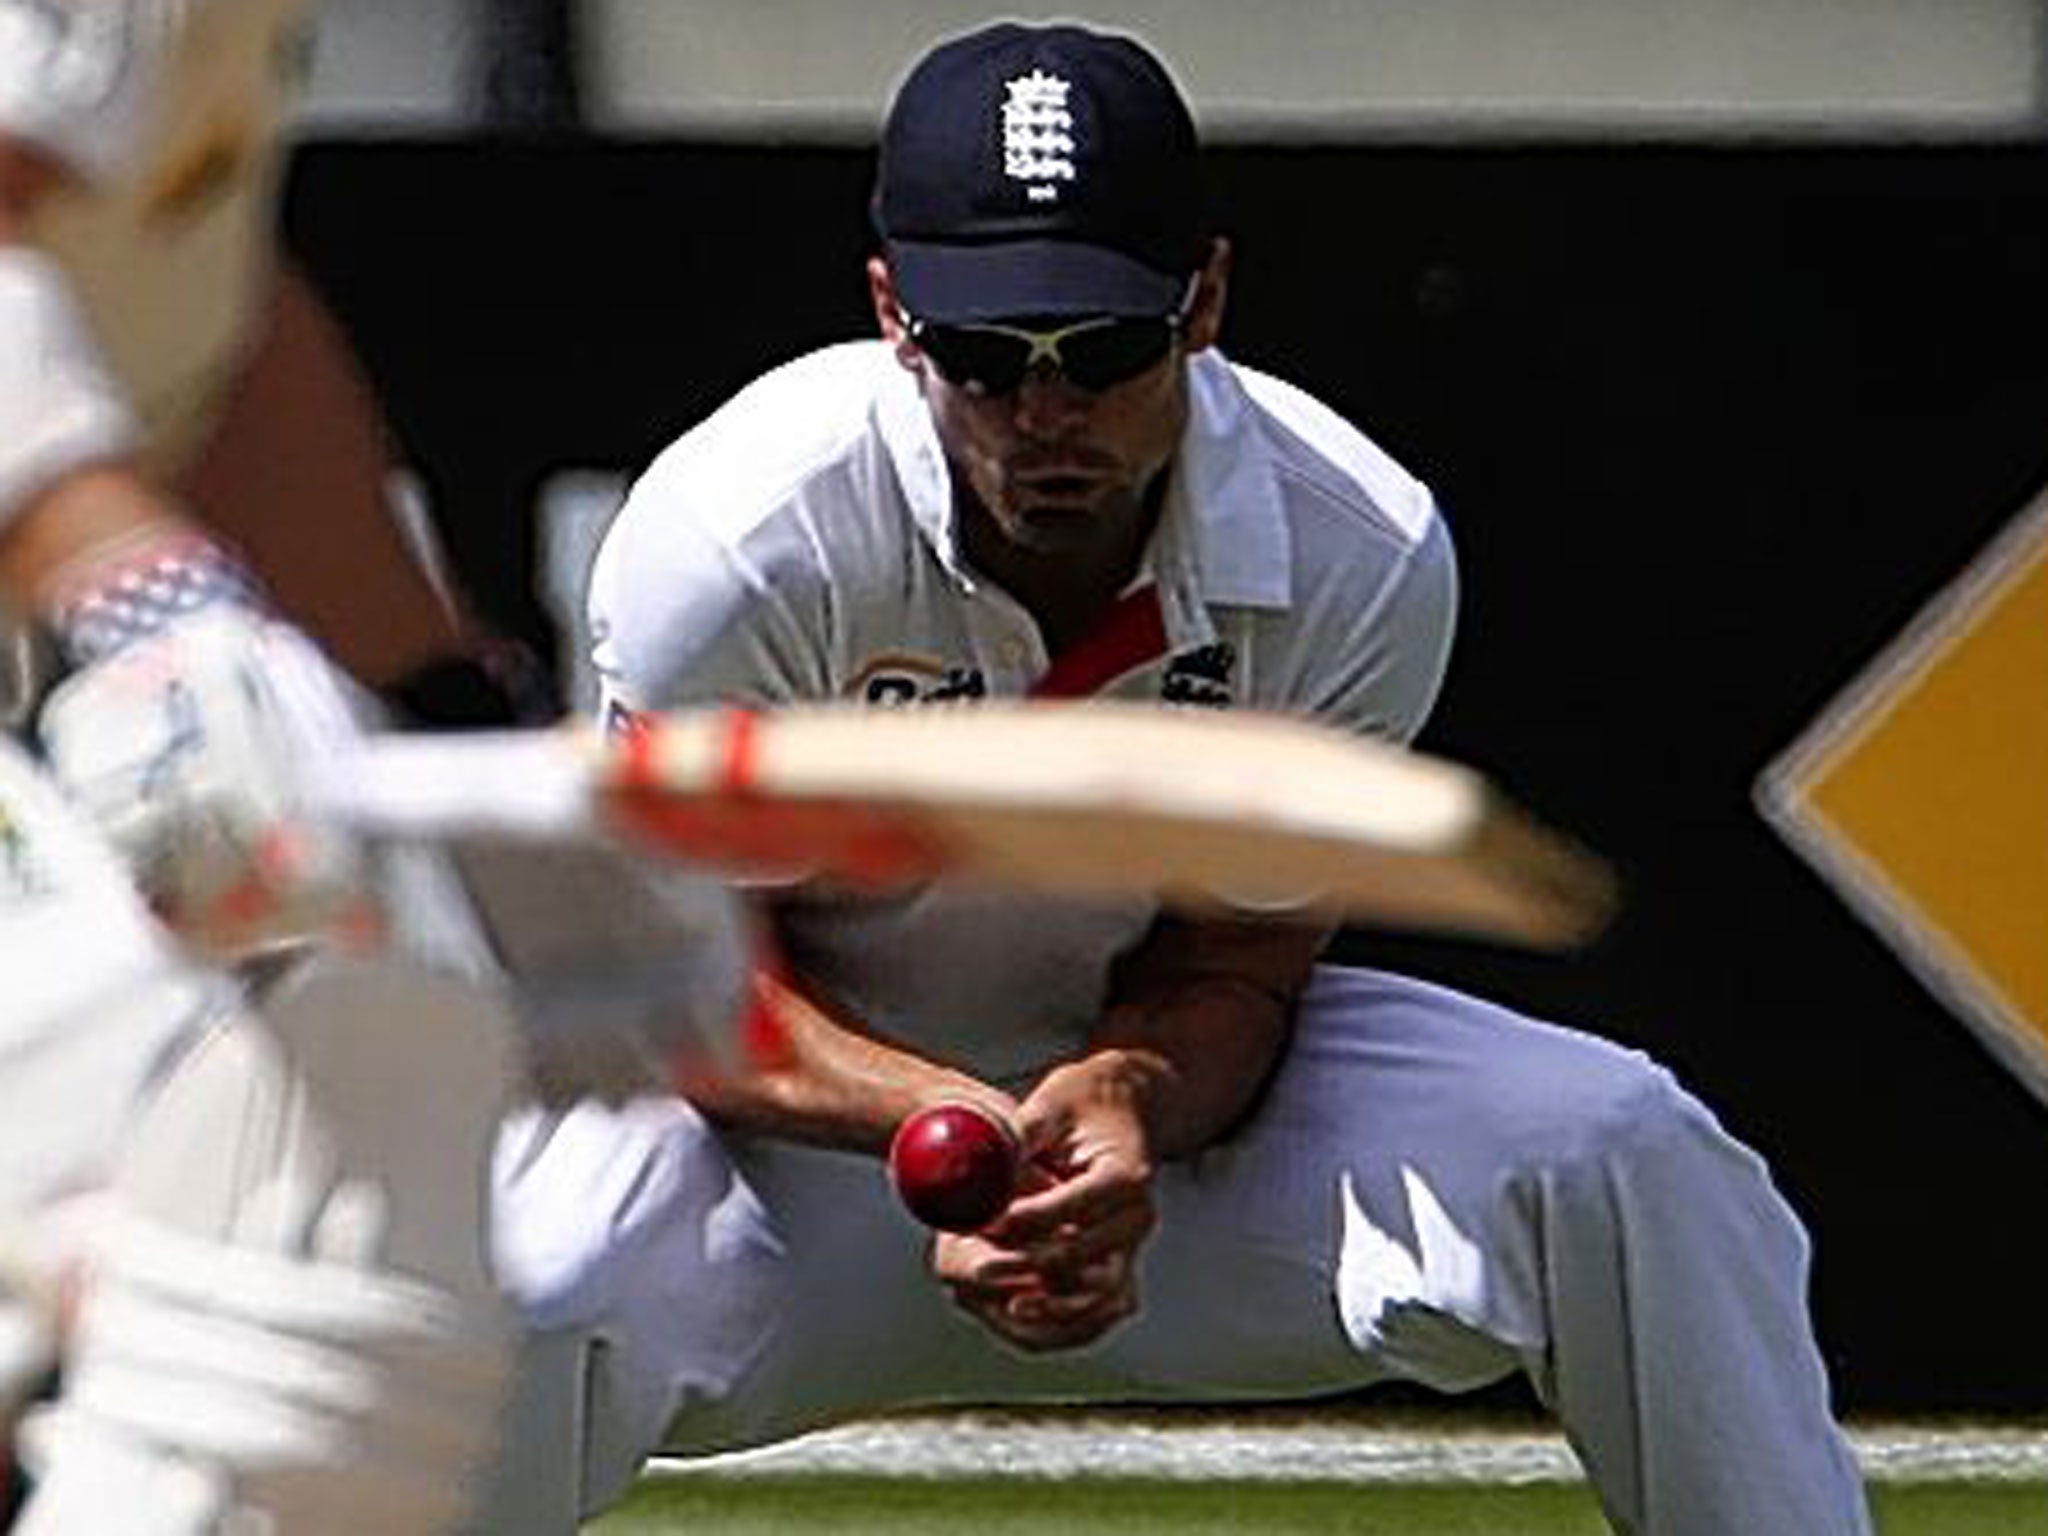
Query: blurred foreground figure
(241,1155)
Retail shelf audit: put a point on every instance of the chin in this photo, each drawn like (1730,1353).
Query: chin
(1054,525)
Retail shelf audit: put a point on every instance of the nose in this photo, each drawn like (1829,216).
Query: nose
(1048,404)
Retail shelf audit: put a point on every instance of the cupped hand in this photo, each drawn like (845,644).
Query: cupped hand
(1058,1269)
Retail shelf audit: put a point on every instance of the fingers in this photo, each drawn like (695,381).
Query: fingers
(1030,1311)
(1040,1324)
(1060,1292)
(1054,1239)
(1060,1257)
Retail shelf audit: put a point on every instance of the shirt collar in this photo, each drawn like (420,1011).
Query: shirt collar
(1225,499)
(905,424)
(1223,536)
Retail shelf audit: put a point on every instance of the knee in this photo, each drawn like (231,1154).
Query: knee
(1624,1137)
(1586,1102)
(1475,1088)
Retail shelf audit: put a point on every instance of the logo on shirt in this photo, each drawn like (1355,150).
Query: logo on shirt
(898,679)
(1201,677)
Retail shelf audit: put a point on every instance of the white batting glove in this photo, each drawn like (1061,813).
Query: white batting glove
(193,749)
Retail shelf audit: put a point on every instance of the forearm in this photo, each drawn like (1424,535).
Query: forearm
(828,1082)
(65,424)
(297,475)
(1197,1020)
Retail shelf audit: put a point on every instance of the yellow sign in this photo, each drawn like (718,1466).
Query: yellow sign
(1921,795)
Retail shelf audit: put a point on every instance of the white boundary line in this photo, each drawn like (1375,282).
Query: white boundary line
(975,1445)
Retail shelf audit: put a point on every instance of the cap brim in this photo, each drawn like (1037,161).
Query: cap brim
(955,284)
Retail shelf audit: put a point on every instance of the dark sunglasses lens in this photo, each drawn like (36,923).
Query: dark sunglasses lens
(1110,354)
(985,360)
(1097,357)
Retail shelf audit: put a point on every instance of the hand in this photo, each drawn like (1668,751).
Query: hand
(1028,1307)
(192,749)
(1058,1269)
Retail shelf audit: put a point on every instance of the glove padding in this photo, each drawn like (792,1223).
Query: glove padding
(194,751)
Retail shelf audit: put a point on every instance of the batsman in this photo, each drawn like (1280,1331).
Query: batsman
(242,1144)
(1247,1174)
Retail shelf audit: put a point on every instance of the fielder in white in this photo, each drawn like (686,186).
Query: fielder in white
(252,1231)
(1256,1176)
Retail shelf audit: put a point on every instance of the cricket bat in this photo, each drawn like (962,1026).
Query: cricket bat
(1206,809)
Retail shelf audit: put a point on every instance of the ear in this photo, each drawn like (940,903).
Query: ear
(1212,289)
(889,314)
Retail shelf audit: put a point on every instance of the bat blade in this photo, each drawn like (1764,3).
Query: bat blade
(1232,810)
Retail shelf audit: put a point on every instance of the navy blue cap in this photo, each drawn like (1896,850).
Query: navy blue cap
(1039,171)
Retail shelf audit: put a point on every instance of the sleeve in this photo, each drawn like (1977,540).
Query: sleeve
(80,78)
(59,407)
(1375,667)
(684,614)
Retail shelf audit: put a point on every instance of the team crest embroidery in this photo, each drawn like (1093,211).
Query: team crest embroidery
(1201,677)
(1038,134)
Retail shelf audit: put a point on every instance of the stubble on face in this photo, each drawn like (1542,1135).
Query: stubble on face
(1054,470)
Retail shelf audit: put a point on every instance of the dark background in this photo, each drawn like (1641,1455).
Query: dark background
(1711,423)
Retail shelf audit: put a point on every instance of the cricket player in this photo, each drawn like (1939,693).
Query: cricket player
(1253,1176)
(274,1307)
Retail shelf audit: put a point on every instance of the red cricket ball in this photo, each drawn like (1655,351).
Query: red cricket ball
(954,1165)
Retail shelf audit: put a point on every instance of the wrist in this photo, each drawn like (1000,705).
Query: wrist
(805,1073)
(1196,1057)
(1134,1080)
(137,584)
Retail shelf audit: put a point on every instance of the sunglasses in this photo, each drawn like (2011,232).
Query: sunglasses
(1089,354)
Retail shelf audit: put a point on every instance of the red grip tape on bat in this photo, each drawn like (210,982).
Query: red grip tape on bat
(732,822)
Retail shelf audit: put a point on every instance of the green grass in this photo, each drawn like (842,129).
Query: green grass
(877,1506)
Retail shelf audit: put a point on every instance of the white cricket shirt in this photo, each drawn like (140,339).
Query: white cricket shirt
(800,545)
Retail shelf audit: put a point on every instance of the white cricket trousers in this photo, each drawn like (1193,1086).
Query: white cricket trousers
(1433,1190)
